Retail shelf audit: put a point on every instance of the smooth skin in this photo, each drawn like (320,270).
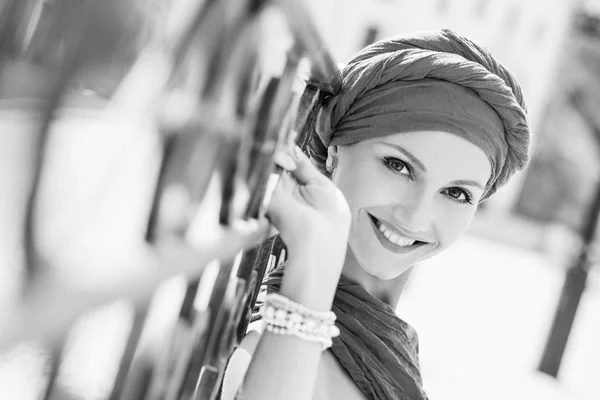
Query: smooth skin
(426,185)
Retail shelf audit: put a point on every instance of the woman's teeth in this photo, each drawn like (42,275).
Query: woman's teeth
(393,236)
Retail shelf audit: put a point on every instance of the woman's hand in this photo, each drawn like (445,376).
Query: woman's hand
(313,219)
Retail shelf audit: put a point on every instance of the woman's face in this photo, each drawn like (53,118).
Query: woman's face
(411,195)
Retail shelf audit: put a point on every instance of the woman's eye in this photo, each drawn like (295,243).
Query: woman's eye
(459,195)
(397,165)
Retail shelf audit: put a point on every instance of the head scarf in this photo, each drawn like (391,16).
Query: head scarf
(430,81)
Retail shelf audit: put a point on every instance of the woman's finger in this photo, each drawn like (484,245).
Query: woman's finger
(284,160)
(282,201)
(305,171)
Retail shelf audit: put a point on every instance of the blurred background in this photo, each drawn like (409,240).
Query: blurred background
(513,310)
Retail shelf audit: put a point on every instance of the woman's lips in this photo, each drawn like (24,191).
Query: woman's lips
(388,244)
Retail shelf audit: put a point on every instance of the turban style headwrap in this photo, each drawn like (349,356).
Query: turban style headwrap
(429,81)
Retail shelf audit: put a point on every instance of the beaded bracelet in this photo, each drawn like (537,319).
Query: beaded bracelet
(285,317)
(325,341)
(286,304)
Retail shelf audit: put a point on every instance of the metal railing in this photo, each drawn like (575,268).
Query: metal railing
(197,95)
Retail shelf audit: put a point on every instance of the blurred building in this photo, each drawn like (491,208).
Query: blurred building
(526,36)
(565,170)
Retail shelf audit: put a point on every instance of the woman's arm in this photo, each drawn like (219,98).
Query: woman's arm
(285,367)
(314,221)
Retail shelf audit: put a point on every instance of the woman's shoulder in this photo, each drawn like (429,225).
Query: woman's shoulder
(252,337)
(331,379)
(238,364)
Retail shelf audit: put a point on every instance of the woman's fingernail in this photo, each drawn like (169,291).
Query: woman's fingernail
(258,223)
(298,154)
(285,160)
(253,224)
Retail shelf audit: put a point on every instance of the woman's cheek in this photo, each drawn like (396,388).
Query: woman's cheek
(453,222)
(356,185)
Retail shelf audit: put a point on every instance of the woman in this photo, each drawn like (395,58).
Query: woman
(425,128)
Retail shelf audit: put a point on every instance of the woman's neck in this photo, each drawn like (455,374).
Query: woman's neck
(388,291)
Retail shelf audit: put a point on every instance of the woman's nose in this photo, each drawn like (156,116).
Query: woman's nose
(414,213)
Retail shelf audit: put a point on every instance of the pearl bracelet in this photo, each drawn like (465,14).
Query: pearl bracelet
(285,317)
(286,304)
(325,341)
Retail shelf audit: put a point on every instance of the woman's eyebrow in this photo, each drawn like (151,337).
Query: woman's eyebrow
(408,154)
(467,182)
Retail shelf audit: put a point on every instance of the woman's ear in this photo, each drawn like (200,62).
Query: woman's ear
(332,151)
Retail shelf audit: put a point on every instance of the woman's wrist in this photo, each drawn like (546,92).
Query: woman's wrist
(309,296)
(310,284)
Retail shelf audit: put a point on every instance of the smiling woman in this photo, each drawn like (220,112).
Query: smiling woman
(425,128)
(407,193)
